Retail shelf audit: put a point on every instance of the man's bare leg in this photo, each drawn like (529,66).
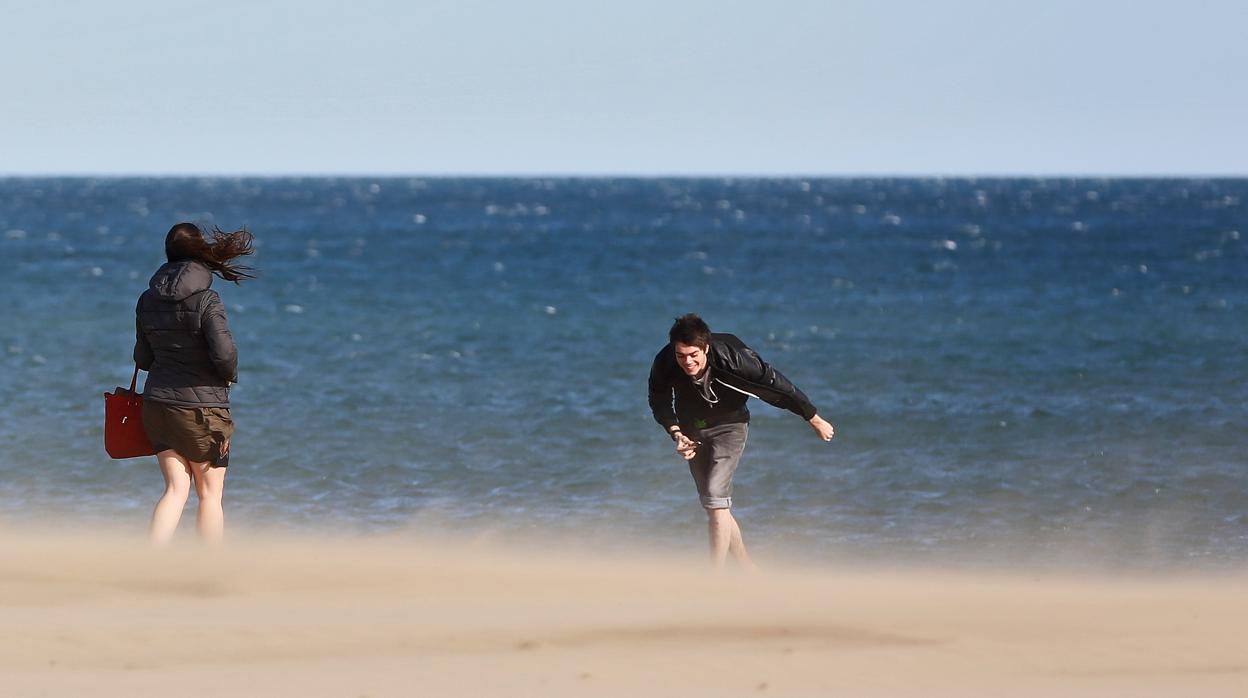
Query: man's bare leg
(737,548)
(720,530)
(725,537)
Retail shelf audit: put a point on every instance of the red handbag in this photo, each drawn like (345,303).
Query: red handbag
(124,436)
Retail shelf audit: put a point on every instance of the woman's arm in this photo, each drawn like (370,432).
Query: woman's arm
(216,331)
(143,354)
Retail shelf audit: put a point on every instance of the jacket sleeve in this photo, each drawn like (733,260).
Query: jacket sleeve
(143,355)
(216,331)
(768,384)
(661,395)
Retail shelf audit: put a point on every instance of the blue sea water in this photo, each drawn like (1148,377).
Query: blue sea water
(1030,371)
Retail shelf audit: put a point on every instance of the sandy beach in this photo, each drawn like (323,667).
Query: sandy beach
(104,616)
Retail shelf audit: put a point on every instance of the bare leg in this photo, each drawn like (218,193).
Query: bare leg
(168,512)
(725,537)
(736,546)
(210,485)
(720,531)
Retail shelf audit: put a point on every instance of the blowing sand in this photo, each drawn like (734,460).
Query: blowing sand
(99,616)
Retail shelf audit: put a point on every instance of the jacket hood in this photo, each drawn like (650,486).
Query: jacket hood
(176,281)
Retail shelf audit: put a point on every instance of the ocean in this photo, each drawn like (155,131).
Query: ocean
(1043,372)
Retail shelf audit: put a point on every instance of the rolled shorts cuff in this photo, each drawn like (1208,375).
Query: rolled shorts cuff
(716,502)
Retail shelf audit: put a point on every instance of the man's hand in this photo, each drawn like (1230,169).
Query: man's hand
(822,428)
(685,446)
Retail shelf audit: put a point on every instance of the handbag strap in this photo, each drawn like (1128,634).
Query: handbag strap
(135,379)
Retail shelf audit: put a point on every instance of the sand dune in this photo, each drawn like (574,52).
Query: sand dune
(98,615)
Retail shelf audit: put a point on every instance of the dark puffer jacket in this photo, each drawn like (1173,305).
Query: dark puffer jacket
(183,339)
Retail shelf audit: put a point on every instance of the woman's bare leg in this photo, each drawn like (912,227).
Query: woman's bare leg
(210,485)
(168,512)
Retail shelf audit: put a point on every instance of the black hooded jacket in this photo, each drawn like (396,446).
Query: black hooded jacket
(183,340)
(737,374)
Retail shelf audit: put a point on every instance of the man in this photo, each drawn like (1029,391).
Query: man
(710,377)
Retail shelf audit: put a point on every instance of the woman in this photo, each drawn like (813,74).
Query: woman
(184,342)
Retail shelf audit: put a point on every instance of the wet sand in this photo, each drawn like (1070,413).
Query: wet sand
(101,615)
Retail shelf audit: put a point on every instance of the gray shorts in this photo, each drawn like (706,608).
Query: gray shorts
(715,461)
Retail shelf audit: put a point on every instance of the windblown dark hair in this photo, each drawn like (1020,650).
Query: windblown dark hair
(690,330)
(189,241)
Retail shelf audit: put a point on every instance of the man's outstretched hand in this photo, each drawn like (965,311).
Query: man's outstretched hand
(822,428)
(686,446)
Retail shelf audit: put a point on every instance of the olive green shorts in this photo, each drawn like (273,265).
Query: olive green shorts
(196,433)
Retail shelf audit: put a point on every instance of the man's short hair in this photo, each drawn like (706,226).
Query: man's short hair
(690,330)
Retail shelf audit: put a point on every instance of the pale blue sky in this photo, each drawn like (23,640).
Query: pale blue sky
(641,87)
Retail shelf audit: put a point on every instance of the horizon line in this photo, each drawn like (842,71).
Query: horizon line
(616,175)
